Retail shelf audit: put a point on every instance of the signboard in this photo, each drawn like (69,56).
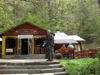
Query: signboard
(25,31)
(25,36)
(9,50)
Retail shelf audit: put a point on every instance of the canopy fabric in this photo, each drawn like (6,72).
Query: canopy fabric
(65,41)
(61,38)
(60,35)
(0,39)
(76,38)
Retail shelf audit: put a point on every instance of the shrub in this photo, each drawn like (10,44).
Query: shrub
(92,69)
(98,55)
(58,56)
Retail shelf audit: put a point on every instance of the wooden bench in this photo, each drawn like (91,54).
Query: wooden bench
(64,52)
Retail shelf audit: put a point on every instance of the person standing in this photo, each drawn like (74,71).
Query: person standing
(63,46)
(70,51)
(49,42)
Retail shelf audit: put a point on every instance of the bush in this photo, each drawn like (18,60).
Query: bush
(92,69)
(58,56)
(98,55)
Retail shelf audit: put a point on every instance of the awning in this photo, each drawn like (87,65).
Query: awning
(0,39)
(25,36)
(65,41)
(76,38)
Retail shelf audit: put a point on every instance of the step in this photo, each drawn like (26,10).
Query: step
(35,56)
(14,74)
(43,74)
(30,71)
(59,73)
(30,66)
(27,62)
(30,74)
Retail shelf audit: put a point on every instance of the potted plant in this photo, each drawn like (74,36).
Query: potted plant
(58,56)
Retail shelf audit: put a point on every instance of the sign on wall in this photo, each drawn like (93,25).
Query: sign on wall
(9,49)
(26,31)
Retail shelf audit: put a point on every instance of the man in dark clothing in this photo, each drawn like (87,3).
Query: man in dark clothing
(49,42)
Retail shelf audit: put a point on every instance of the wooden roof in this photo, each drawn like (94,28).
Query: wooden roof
(14,28)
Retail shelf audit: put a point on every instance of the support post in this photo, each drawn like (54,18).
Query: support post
(33,45)
(80,48)
(3,46)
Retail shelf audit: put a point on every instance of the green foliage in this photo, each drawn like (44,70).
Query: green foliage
(92,69)
(78,17)
(58,56)
(79,66)
(98,55)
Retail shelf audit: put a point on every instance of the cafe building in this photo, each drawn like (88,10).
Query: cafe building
(23,39)
(27,39)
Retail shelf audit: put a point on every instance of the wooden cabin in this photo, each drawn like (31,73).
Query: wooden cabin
(62,38)
(23,39)
(27,38)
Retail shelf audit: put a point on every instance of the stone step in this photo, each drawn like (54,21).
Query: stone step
(30,66)
(58,73)
(43,74)
(27,62)
(30,74)
(35,56)
(14,74)
(30,71)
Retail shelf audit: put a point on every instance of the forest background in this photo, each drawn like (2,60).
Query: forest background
(74,17)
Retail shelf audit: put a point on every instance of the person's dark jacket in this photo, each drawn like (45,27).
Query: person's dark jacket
(49,40)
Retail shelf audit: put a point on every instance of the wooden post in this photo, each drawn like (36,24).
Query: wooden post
(3,45)
(15,47)
(80,48)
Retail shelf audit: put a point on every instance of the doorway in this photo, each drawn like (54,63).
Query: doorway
(24,46)
(38,45)
(11,44)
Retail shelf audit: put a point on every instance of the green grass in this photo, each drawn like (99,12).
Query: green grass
(71,64)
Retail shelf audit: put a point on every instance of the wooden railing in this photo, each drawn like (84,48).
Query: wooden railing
(83,53)
(43,50)
(86,53)
(65,52)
